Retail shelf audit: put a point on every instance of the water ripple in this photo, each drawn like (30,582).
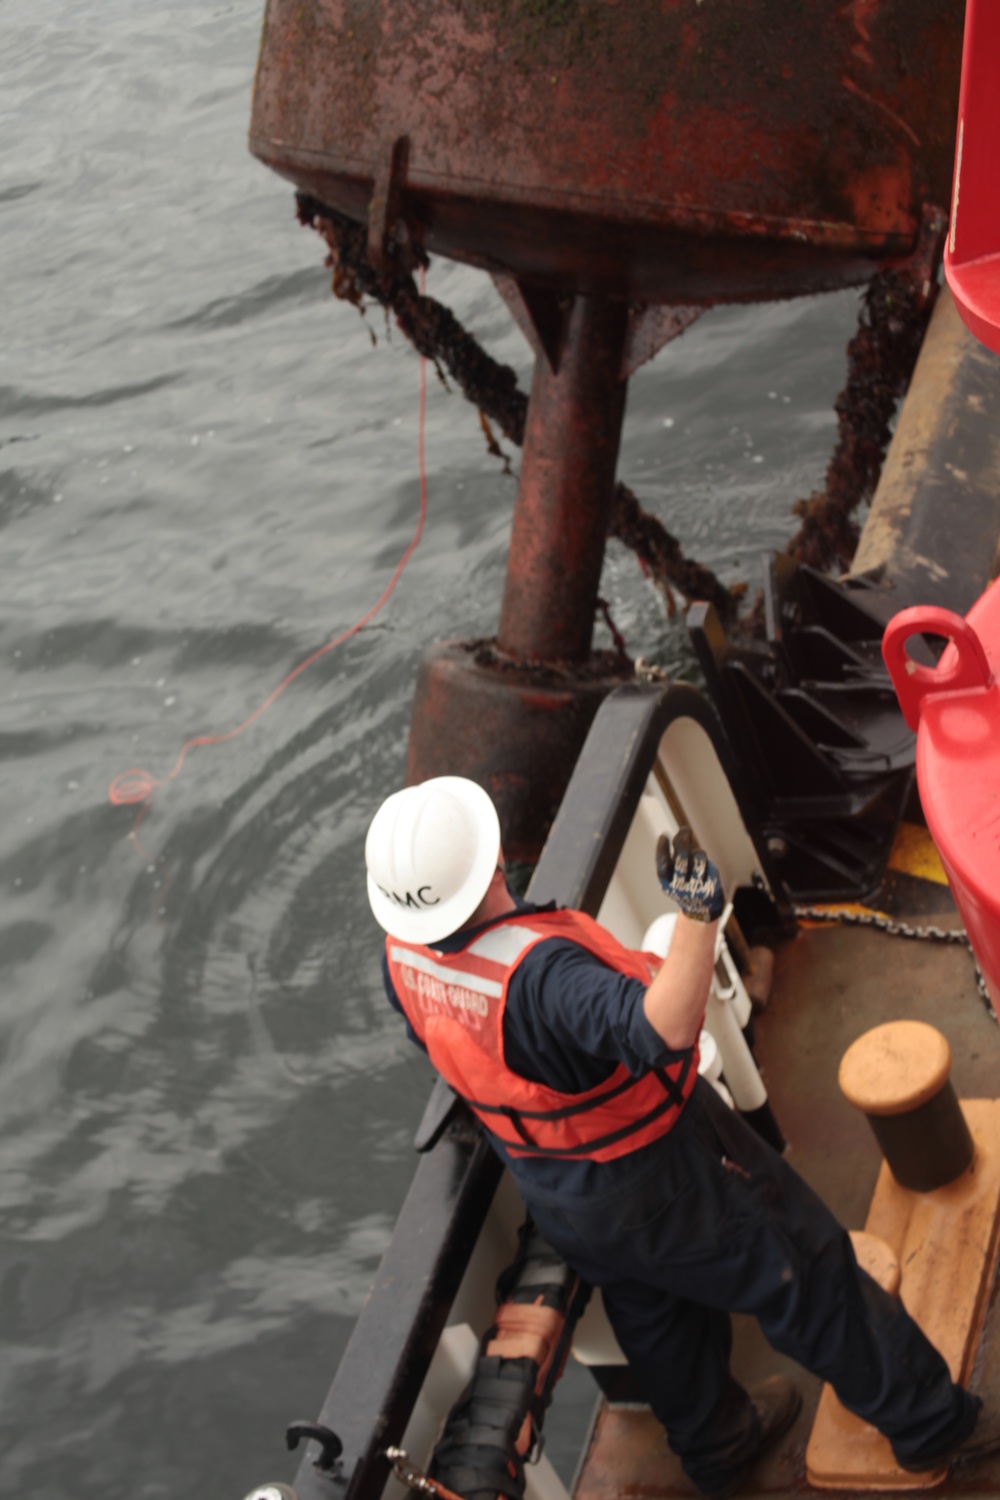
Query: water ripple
(274,292)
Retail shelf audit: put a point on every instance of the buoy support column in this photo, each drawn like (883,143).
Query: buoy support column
(570,451)
(513,713)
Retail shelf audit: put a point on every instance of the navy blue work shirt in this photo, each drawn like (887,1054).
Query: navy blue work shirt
(570,1020)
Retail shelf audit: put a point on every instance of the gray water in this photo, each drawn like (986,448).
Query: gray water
(207,471)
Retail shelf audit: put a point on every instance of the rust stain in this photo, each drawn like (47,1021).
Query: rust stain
(576,139)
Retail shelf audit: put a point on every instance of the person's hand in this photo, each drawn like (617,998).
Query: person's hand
(689,877)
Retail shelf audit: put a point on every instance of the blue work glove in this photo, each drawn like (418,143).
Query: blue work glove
(689,877)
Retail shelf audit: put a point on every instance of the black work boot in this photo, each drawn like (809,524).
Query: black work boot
(777,1402)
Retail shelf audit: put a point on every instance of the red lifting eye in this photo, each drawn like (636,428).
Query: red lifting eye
(963,665)
(955,709)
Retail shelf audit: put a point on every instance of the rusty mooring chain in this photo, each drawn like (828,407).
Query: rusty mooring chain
(880,923)
(436,333)
(881,357)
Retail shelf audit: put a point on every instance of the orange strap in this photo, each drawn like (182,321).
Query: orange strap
(527,1330)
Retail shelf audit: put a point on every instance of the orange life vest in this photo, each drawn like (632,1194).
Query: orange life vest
(455,1003)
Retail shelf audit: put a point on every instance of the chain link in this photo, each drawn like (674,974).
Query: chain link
(901,929)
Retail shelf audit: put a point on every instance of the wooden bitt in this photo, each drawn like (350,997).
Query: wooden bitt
(945,1243)
(898,1076)
(933,1224)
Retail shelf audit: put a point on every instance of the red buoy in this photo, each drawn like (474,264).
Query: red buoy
(972,254)
(955,708)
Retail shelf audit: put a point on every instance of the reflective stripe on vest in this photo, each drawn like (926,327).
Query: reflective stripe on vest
(455,1003)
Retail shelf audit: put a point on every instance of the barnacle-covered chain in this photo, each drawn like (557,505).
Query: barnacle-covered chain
(492,387)
(894,314)
(881,356)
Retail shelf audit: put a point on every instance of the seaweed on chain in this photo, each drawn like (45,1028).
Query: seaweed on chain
(880,357)
(880,360)
(492,387)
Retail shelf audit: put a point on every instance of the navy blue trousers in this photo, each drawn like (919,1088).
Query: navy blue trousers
(711,1221)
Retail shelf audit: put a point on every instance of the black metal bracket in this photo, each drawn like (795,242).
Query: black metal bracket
(813,719)
(386,222)
(330,1445)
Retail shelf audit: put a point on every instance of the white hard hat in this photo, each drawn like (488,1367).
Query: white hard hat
(431,852)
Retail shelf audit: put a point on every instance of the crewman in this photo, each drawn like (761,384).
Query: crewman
(580,1059)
